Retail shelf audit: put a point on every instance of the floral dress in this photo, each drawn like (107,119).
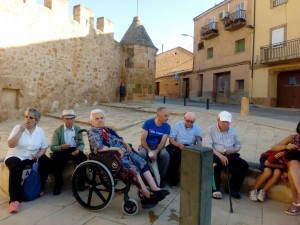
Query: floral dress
(100,137)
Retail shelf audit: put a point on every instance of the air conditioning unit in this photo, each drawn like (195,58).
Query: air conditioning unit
(223,14)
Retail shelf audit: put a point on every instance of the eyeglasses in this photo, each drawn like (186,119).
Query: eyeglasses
(69,118)
(29,117)
(190,121)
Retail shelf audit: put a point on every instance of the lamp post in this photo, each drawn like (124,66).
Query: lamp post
(187,35)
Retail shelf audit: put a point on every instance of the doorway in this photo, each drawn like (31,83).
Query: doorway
(288,89)
(222,87)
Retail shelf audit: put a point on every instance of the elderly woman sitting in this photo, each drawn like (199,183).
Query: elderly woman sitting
(27,143)
(103,139)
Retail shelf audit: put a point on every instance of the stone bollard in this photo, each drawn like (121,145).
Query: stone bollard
(196,185)
(244,106)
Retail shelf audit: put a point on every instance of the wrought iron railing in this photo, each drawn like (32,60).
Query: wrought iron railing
(278,2)
(280,51)
(211,28)
(235,16)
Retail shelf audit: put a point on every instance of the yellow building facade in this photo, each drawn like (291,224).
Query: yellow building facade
(276,59)
(222,51)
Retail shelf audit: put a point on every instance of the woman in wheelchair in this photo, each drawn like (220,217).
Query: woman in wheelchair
(103,139)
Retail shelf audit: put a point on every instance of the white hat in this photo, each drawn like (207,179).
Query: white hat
(225,116)
(68,113)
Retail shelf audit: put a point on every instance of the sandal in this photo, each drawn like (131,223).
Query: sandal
(293,210)
(216,195)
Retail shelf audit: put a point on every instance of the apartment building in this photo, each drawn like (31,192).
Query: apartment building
(223,37)
(172,75)
(275,79)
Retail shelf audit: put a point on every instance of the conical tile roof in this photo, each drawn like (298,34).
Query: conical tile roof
(137,34)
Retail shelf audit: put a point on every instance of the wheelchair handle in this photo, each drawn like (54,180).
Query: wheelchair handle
(82,130)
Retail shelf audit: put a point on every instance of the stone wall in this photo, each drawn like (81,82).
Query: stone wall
(49,61)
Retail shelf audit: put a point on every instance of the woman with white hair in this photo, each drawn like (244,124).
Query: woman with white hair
(103,139)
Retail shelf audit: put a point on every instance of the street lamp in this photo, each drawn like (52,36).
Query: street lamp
(188,35)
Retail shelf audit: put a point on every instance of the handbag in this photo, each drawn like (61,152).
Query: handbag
(32,184)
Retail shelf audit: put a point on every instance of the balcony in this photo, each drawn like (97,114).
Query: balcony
(209,31)
(287,51)
(235,20)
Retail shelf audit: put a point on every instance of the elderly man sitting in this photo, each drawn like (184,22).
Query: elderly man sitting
(184,133)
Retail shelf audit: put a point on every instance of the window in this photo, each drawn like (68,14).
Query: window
(240,10)
(278,36)
(211,23)
(239,85)
(278,2)
(200,45)
(240,45)
(210,53)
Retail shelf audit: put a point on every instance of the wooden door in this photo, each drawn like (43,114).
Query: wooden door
(288,89)
(223,87)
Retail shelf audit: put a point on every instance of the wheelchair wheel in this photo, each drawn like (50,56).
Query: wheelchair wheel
(92,185)
(130,207)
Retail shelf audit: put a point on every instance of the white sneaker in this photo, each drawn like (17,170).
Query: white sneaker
(261,195)
(253,195)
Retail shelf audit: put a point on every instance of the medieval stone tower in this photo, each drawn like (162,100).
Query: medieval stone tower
(138,63)
(51,62)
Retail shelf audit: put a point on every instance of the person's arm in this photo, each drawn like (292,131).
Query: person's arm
(236,146)
(144,142)
(175,143)
(198,140)
(162,143)
(208,142)
(56,145)
(273,165)
(15,135)
(284,144)
(97,145)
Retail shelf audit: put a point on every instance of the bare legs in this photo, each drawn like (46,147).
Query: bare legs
(294,179)
(269,177)
(150,180)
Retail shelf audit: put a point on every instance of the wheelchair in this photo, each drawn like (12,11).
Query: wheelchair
(103,176)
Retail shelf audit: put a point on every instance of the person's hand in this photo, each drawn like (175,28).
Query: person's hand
(120,152)
(23,126)
(180,146)
(65,147)
(127,146)
(75,153)
(223,159)
(290,146)
(153,154)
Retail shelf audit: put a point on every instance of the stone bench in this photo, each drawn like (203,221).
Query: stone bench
(279,192)
(67,175)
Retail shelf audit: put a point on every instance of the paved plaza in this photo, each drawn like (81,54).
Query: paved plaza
(258,134)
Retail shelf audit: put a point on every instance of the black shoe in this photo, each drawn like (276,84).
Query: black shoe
(148,203)
(234,194)
(56,191)
(160,195)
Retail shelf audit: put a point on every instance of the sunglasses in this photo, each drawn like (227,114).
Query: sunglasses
(190,121)
(29,117)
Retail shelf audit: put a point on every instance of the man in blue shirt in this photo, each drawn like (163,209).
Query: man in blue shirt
(153,140)
(184,133)
(226,144)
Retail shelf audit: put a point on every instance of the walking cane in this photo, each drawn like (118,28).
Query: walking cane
(229,191)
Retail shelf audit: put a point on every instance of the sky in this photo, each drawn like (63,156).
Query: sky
(164,20)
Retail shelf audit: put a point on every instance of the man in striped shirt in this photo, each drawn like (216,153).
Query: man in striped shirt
(226,144)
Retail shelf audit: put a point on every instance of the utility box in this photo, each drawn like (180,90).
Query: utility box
(196,185)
